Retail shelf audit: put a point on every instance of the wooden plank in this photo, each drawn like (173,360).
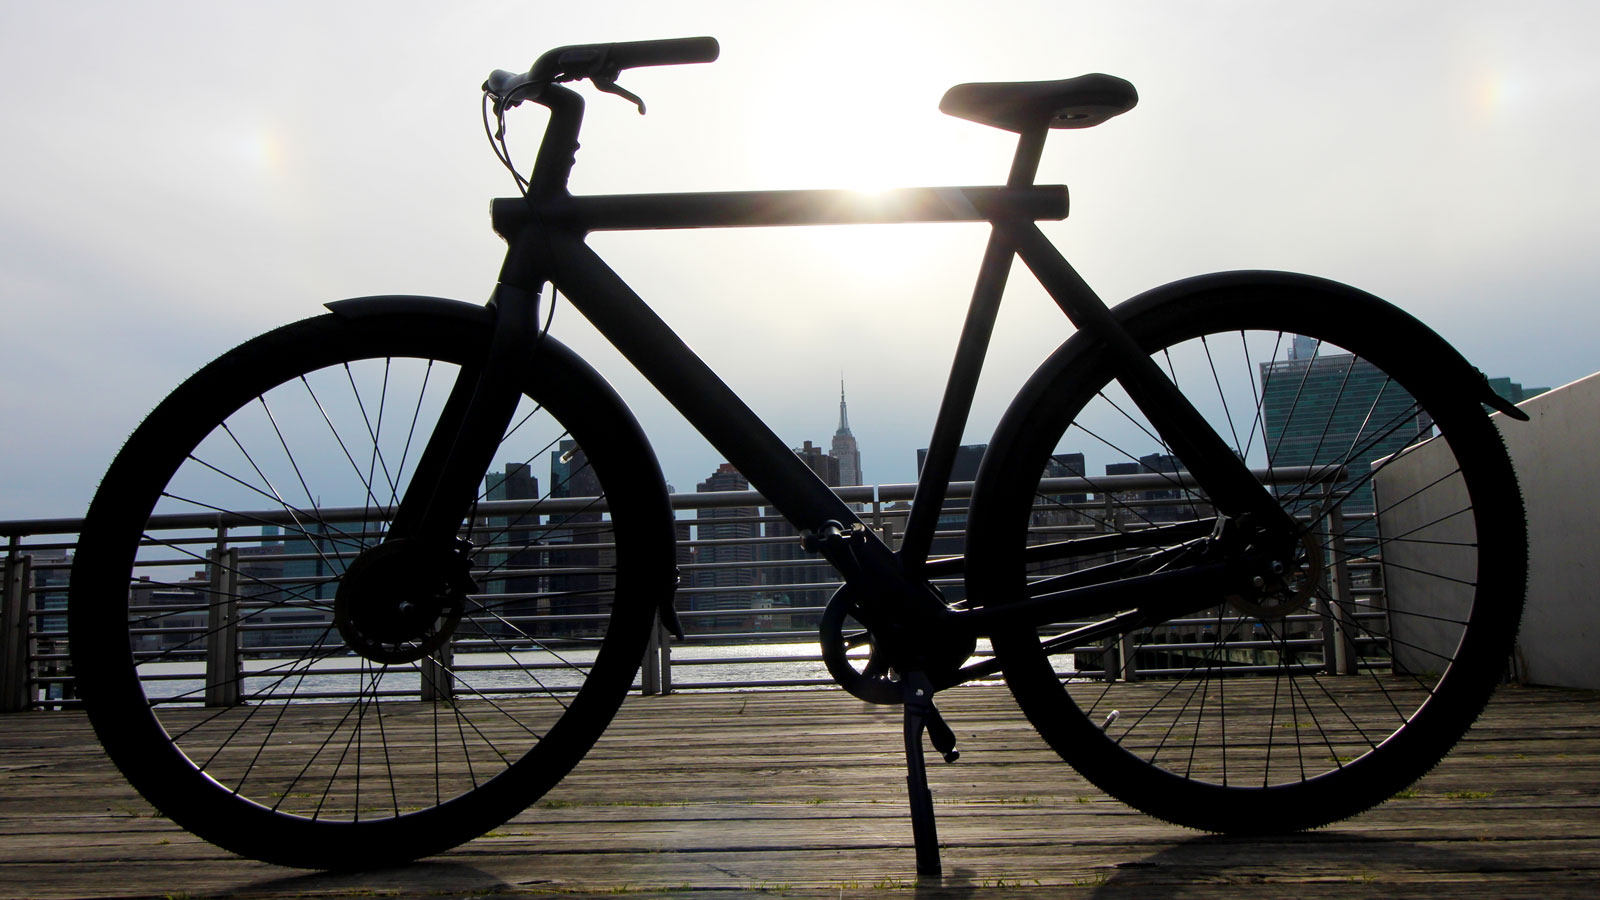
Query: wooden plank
(801,794)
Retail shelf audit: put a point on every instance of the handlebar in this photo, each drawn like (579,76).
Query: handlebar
(598,62)
(669,52)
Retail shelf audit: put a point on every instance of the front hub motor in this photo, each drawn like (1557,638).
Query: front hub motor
(399,602)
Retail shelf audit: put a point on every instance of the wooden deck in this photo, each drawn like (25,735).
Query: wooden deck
(800,795)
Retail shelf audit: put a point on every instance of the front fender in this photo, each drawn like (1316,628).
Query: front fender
(410,304)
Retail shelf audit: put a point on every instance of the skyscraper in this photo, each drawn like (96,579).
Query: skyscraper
(1322,408)
(844,447)
(783,581)
(1514,391)
(1057,510)
(725,553)
(1130,507)
(579,546)
(950,536)
(521,533)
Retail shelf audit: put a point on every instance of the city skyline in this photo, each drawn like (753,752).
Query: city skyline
(1300,352)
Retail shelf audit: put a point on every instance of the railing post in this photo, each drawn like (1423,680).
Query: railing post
(886,532)
(223,673)
(1339,650)
(1116,657)
(650,668)
(1111,658)
(437,682)
(664,643)
(14,693)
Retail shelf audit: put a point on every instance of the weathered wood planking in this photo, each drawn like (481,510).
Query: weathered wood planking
(801,794)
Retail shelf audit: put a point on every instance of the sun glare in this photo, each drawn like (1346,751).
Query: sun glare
(261,146)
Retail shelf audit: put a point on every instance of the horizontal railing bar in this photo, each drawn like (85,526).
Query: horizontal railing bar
(699,500)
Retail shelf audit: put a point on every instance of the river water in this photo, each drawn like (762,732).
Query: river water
(715,666)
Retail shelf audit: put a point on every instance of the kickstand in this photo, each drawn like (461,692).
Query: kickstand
(920,714)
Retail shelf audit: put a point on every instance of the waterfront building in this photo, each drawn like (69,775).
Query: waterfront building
(1143,507)
(723,572)
(950,534)
(508,548)
(789,565)
(1321,408)
(1513,391)
(580,551)
(1054,512)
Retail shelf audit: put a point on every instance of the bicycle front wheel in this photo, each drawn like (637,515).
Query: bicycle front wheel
(1331,687)
(205,600)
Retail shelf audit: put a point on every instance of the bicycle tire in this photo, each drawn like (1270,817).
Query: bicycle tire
(278,435)
(1287,746)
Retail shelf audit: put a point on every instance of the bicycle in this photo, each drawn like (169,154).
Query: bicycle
(1222,669)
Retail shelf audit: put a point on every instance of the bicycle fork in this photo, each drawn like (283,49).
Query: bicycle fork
(474,419)
(401,599)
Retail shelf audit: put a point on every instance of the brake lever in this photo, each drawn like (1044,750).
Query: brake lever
(610,86)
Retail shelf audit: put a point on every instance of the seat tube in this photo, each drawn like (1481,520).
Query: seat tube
(933,482)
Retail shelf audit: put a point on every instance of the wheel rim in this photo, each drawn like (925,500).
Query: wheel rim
(308,468)
(1180,730)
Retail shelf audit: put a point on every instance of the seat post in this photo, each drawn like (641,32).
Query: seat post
(1025,164)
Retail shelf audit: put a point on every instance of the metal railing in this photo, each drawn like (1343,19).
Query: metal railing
(749,603)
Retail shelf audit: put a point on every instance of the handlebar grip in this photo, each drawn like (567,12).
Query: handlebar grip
(588,60)
(669,52)
(500,82)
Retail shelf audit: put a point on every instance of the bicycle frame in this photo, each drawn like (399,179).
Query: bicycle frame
(545,231)
(540,251)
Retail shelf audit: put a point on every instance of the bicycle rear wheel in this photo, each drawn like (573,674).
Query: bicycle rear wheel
(1337,685)
(216,671)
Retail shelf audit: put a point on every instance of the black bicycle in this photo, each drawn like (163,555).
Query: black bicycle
(1297,599)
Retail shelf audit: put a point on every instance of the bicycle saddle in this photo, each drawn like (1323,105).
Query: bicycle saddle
(1025,105)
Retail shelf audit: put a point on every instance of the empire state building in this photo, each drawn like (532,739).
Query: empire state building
(844,447)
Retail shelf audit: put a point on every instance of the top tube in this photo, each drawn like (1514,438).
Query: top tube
(741,209)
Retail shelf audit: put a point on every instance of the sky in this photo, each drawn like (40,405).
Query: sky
(183,175)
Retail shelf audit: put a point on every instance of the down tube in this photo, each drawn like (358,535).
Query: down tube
(689,385)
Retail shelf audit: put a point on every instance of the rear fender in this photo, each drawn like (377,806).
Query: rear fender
(1358,302)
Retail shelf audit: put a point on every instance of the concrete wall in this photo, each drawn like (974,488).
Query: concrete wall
(1554,454)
